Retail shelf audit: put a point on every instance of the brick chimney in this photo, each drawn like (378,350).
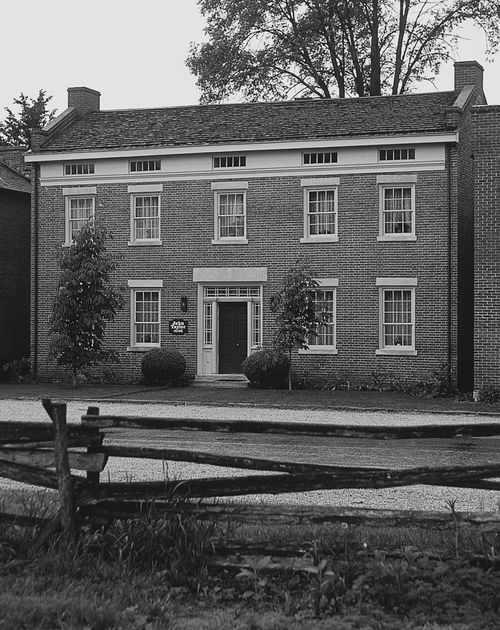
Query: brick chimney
(84,99)
(468,73)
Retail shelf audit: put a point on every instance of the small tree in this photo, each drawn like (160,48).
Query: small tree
(33,114)
(84,304)
(297,319)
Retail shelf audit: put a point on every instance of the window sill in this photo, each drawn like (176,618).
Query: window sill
(396,238)
(319,350)
(230,241)
(394,352)
(154,242)
(142,348)
(320,239)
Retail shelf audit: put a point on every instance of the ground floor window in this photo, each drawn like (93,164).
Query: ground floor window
(145,303)
(324,304)
(397,316)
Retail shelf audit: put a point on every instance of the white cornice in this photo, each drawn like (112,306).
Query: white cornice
(309,172)
(356,141)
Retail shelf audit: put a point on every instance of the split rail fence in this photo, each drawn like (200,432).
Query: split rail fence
(44,454)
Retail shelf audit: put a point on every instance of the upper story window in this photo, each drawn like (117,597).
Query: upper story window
(320,209)
(79,168)
(230,212)
(319,157)
(79,212)
(229,161)
(397,207)
(395,154)
(145,222)
(142,166)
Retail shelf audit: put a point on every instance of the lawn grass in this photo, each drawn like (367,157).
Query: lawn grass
(156,573)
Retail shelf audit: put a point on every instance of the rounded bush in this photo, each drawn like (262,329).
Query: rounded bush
(161,366)
(266,368)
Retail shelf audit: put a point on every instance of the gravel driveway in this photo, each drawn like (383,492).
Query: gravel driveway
(415,497)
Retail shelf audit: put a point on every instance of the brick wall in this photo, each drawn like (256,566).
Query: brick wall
(14,275)
(486,122)
(274,229)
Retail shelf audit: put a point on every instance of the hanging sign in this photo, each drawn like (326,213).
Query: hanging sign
(178,326)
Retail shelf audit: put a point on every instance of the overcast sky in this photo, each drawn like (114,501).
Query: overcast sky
(132,52)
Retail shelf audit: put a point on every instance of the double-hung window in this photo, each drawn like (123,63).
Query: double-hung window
(230,214)
(145,308)
(396,208)
(325,306)
(145,214)
(320,210)
(145,218)
(397,315)
(79,210)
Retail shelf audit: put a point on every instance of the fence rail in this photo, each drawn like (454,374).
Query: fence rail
(43,454)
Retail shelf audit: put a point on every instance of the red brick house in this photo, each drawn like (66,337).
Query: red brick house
(15,192)
(210,205)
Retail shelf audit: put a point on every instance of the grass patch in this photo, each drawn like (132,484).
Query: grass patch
(153,573)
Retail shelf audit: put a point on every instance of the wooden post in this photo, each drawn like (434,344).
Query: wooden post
(92,477)
(57,413)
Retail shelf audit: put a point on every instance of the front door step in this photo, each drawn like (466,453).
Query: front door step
(221,380)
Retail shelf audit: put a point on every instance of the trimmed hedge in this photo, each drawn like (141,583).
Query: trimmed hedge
(266,368)
(162,366)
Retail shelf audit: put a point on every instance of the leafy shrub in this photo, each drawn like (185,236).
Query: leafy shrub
(489,394)
(436,386)
(266,368)
(162,366)
(17,370)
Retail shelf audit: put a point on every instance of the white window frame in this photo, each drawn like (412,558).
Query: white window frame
(410,151)
(388,182)
(218,161)
(68,231)
(396,284)
(229,188)
(326,284)
(151,165)
(78,169)
(138,286)
(317,185)
(133,220)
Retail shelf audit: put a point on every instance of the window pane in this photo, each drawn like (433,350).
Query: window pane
(398,325)
(146,218)
(147,317)
(321,212)
(81,211)
(397,211)
(324,304)
(231,212)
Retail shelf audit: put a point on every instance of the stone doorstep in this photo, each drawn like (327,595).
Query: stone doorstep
(221,380)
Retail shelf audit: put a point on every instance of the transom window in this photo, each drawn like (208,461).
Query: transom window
(79,168)
(146,318)
(396,154)
(229,161)
(231,292)
(324,304)
(79,211)
(321,213)
(397,212)
(231,215)
(141,166)
(319,157)
(145,217)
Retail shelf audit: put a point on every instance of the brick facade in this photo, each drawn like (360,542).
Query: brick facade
(487,246)
(438,261)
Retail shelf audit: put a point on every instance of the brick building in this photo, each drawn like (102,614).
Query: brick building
(15,192)
(486,120)
(209,206)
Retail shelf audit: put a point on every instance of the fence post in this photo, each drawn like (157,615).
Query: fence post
(57,413)
(92,477)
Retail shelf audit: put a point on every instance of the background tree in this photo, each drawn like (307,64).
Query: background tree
(85,303)
(280,49)
(33,114)
(298,318)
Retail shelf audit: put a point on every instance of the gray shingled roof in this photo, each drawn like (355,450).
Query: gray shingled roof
(254,122)
(12,180)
